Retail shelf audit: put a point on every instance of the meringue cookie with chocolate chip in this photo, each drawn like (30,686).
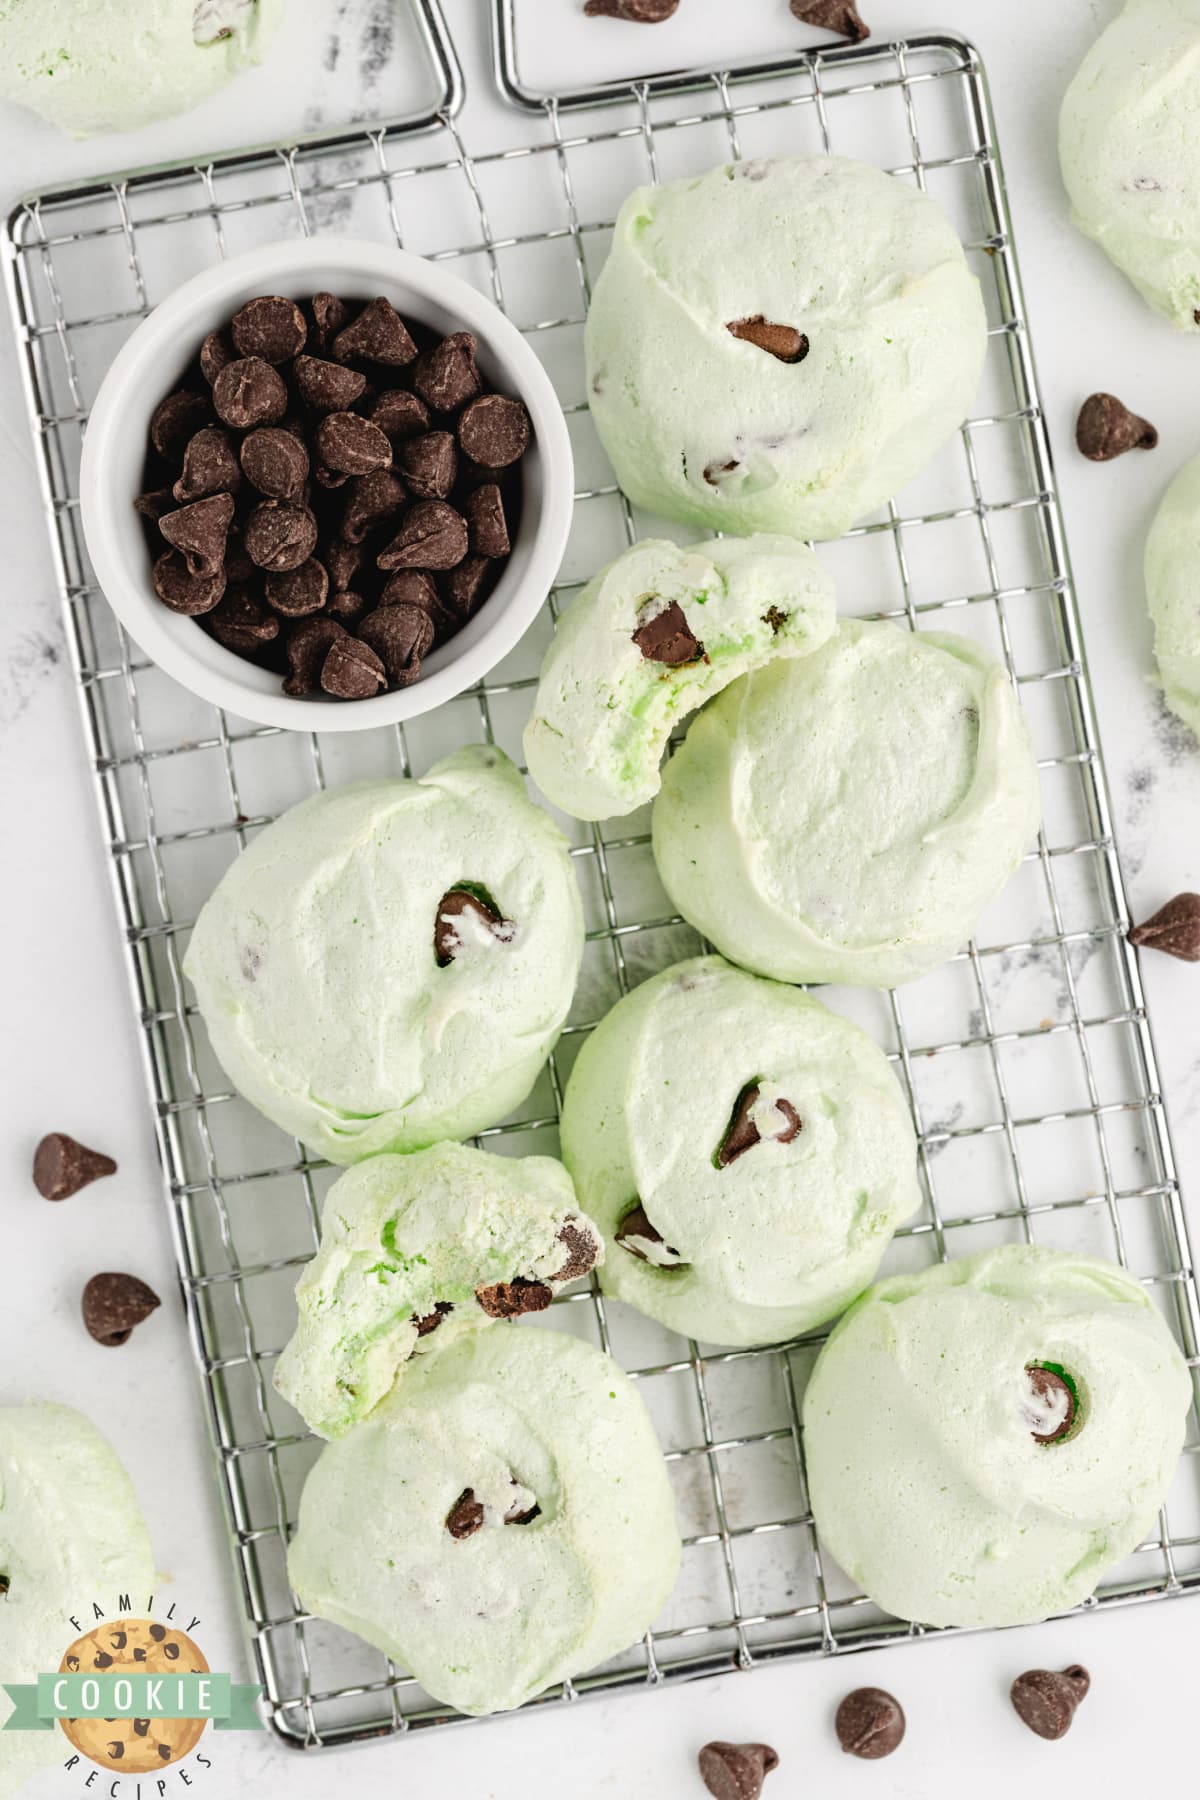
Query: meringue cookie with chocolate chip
(652,637)
(986,1437)
(390,963)
(746,1152)
(503,1521)
(780,345)
(846,816)
(414,1250)
(1172,570)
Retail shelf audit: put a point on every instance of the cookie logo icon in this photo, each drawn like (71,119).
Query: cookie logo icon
(134,1647)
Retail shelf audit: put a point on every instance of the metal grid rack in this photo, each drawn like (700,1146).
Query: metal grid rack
(1028,1059)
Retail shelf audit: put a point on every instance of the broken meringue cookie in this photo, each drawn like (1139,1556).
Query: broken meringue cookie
(746,1152)
(415,1250)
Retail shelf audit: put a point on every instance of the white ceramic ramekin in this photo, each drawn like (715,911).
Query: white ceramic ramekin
(150,364)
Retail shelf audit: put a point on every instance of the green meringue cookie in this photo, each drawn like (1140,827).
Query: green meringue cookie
(885,324)
(407,1244)
(315,967)
(1172,585)
(759,1245)
(846,816)
(497,1423)
(605,708)
(112,65)
(928,1484)
(1129,146)
(71,1535)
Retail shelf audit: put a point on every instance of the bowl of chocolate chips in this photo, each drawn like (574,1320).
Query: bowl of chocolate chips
(326,485)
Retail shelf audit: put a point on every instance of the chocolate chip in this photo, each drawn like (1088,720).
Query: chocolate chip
(433,1319)
(307,647)
(214,355)
(400,636)
(327,386)
(741,1134)
(1052,1403)
(199,531)
(582,1248)
(508,1299)
(141,1727)
(210,465)
(297,592)
(280,535)
(177,419)
(399,413)
(1046,1699)
(736,1771)
(329,478)
(635,1225)
(466,901)
(158,1633)
(171,1652)
(346,604)
(1174,928)
(666,637)
(114,1304)
(62,1165)
(486,528)
(411,587)
(466,586)
(378,334)
(373,500)
(1105,428)
(182,591)
(429,464)
(775,619)
(153,505)
(329,315)
(832,15)
(524,1516)
(242,623)
(713,471)
(494,431)
(352,445)
(465,1517)
(352,671)
(634,12)
(446,377)
(869,1723)
(343,562)
(270,327)
(783,342)
(239,570)
(275,462)
(249,392)
(432,536)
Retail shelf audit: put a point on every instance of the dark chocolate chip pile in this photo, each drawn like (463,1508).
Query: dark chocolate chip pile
(332,492)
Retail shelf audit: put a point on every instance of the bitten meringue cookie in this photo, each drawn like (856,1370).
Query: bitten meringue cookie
(104,65)
(985,1438)
(1172,583)
(501,1522)
(780,345)
(439,1241)
(848,815)
(650,638)
(71,1535)
(390,964)
(746,1153)
(1129,145)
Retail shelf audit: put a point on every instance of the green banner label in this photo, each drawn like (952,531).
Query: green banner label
(229,1704)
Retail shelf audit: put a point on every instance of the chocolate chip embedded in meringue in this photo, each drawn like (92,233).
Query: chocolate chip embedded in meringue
(463,913)
(666,637)
(1051,1402)
(582,1247)
(636,1234)
(742,1132)
(783,342)
(465,1517)
(509,1299)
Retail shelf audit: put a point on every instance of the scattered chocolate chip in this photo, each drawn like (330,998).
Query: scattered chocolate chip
(199,531)
(487,531)
(242,623)
(280,535)
(446,377)
(666,637)
(352,671)
(783,342)
(1046,1699)
(869,1723)
(308,645)
(250,392)
(270,327)
(494,431)
(183,592)
(329,315)
(465,1517)
(378,334)
(297,592)
(400,636)
(741,1134)
(634,12)
(429,464)
(399,413)
(113,1304)
(210,465)
(582,1248)
(62,1165)
(1174,928)
(352,445)
(275,461)
(508,1299)
(373,500)
(1105,428)
(327,386)
(176,419)
(465,586)
(736,1771)
(1050,1397)
(433,1319)
(832,15)
(635,1225)
(153,505)
(214,355)
(431,536)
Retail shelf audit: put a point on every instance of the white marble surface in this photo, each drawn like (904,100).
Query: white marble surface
(71,1059)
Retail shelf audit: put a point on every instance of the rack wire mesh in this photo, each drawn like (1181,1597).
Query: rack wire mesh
(1028,1058)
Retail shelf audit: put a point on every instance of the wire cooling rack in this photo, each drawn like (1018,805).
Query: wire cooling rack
(1028,1058)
